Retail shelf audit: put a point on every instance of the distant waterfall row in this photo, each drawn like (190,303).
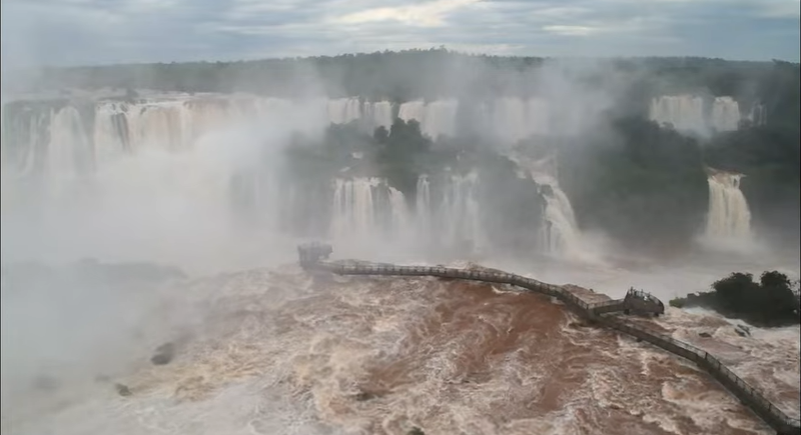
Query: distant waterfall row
(62,142)
(62,138)
(690,113)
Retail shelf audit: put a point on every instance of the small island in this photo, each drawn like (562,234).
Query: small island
(771,302)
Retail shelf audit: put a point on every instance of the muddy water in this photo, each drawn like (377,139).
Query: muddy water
(274,352)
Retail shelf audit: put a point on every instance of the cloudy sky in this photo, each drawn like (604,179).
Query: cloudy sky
(68,32)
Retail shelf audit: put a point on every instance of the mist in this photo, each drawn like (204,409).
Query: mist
(562,169)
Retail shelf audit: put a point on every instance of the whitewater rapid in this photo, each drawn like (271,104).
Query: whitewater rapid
(276,351)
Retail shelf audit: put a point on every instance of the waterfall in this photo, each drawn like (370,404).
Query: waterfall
(758,115)
(688,113)
(729,216)
(69,152)
(353,211)
(559,232)
(344,110)
(26,134)
(436,118)
(423,206)
(368,209)
(725,114)
(460,217)
(413,110)
(400,223)
(378,114)
(509,119)
(684,112)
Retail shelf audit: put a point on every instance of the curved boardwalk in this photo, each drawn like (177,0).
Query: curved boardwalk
(638,301)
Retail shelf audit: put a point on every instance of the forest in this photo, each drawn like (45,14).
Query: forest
(428,74)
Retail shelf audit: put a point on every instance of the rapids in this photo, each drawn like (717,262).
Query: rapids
(271,351)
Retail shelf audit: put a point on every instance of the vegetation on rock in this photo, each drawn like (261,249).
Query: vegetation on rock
(770,302)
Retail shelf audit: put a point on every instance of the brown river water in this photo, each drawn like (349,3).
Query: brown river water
(279,352)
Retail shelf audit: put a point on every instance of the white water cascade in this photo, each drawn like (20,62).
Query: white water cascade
(559,233)
(460,215)
(725,114)
(683,112)
(436,118)
(729,217)
(423,207)
(366,210)
(514,119)
(377,114)
(353,212)
(690,113)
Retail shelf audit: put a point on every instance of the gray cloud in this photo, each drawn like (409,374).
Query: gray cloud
(68,32)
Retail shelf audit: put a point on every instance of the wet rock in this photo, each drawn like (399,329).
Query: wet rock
(415,431)
(365,396)
(122,390)
(705,334)
(742,330)
(164,354)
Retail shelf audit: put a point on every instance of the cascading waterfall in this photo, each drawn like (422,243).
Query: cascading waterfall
(378,114)
(729,217)
(175,122)
(559,234)
(70,154)
(690,113)
(366,209)
(436,118)
(423,206)
(460,215)
(61,142)
(25,140)
(400,222)
(684,112)
(514,119)
(344,110)
(725,114)
(758,115)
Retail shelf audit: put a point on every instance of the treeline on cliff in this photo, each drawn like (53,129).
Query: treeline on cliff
(411,74)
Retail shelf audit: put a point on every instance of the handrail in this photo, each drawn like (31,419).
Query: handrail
(747,394)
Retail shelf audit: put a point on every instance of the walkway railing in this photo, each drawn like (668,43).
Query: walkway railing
(748,395)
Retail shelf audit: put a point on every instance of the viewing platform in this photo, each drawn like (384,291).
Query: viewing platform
(635,302)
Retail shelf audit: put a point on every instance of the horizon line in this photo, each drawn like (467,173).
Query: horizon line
(441,50)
